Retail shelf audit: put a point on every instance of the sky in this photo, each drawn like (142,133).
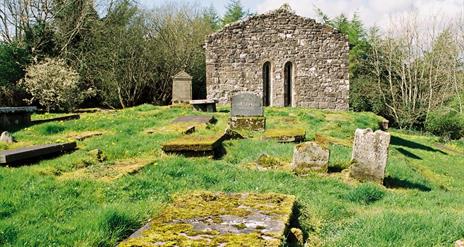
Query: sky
(371,12)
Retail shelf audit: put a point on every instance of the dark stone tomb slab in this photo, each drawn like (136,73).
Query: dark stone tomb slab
(12,118)
(19,155)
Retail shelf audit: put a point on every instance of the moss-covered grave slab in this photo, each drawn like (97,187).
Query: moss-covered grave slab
(185,128)
(286,135)
(219,219)
(195,145)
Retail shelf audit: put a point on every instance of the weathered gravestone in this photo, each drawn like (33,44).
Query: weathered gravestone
(15,117)
(219,219)
(370,154)
(247,112)
(181,88)
(9,157)
(6,137)
(310,157)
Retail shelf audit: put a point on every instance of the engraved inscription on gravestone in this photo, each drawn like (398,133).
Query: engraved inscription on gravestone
(247,105)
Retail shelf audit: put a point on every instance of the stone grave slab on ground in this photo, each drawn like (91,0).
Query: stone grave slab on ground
(205,105)
(181,88)
(219,219)
(247,112)
(310,157)
(195,119)
(195,145)
(85,135)
(8,157)
(56,119)
(370,154)
(15,117)
(185,128)
(286,135)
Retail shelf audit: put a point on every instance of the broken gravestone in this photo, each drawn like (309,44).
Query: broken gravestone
(247,112)
(219,219)
(6,137)
(310,157)
(370,154)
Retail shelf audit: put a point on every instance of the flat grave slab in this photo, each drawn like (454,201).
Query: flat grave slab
(219,219)
(196,119)
(286,135)
(205,105)
(85,135)
(55,119)
(27,153)
(185,128)
(195,145)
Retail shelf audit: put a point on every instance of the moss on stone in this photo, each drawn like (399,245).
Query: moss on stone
(193,143)
(248,123)
(178,224)
(286,135)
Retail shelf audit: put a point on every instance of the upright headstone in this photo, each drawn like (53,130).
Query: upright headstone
(181,88)
(247,112)
(370,154)
(309,157)
(6,137)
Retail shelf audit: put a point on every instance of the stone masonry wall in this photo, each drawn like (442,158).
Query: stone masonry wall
(235,57)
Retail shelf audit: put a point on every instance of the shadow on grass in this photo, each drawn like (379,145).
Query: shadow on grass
(395,183)
(398,141)
(335,169)
(408,154)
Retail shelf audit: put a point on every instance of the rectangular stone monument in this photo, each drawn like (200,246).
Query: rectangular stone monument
(23,154)
(195,145)
(15,117)
(219,219)
(181,88)
(205,105)
(370,154)
(247,112)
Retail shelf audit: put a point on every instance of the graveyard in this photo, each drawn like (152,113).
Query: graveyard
(174,175)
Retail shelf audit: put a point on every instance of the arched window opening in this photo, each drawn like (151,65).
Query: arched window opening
(288,84)
(267,84)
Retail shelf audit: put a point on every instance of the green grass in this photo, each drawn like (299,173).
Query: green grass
(423,204)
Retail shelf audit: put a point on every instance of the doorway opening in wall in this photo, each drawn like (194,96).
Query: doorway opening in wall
(267,84)
(288,83)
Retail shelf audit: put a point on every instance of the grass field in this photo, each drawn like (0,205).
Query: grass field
(78,200)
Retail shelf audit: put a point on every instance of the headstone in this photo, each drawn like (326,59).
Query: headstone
(219,219)
(181,88)
(247,105)
(370,154)
(247,112)
(33,152)
(6,137)
(310,157)
(205,105)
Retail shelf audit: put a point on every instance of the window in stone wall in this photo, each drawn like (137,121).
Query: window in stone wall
(267,84)
(288,83)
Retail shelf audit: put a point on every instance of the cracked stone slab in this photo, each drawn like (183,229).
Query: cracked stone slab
(219,219)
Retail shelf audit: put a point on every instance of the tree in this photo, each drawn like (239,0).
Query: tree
(54,85)
(13,60)
(234,12)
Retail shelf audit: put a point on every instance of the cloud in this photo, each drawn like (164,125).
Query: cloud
(372,12)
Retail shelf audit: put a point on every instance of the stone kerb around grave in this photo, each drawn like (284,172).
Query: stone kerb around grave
(247,112)
(370,155)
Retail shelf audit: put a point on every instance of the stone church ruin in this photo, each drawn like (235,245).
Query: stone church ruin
(286,59)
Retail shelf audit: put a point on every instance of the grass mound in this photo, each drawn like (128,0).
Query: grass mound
(367,193)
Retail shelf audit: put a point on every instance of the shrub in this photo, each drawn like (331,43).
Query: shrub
(447,124)
(54,85)
(366,194)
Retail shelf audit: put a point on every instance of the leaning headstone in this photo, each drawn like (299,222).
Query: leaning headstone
(247,112)
(219,219)
(310,157)
(181,88)
(370,154)
(6,137)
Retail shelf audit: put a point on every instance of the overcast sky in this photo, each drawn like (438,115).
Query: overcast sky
(372,12)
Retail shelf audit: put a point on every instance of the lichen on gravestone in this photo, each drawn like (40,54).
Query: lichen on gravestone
(310,157)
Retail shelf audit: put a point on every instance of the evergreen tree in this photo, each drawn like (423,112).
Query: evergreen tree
(235,12)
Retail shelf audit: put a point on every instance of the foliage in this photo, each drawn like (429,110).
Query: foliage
(234,12)
(448,124)
(54,85)
(13,60)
